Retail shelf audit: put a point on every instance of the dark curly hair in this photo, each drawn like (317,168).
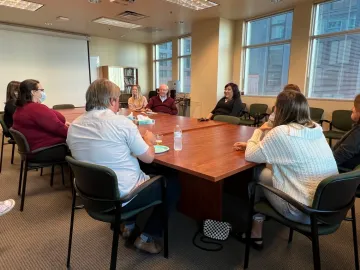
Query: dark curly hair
(235,89)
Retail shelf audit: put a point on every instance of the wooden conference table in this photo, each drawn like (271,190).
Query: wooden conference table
(207,158)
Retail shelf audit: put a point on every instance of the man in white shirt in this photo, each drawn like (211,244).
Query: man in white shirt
(102,137)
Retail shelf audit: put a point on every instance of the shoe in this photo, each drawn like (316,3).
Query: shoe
(125,232)
(254,241)
(6,206)
(149,247)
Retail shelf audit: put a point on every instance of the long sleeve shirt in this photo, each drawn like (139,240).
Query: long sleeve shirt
(347,149)
(9,111)
(40,125)
(300,157)
(232,107)
(167,106)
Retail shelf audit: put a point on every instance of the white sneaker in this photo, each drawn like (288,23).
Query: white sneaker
(6,206)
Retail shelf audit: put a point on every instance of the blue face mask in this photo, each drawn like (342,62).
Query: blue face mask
(43,97)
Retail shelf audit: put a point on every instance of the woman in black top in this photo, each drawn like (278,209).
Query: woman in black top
(230,104)
(10,107)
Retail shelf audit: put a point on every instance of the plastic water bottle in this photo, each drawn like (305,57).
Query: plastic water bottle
(177,138)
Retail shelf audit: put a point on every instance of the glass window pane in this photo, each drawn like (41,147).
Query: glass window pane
(335,67)
(185,74)
(185,46)
(163,72)
(163,51)
(266,69)
(336,16)
(269,29)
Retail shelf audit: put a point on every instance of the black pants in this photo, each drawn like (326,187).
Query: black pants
(152,193)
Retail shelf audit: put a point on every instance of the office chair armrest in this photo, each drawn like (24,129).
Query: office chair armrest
(324,120)
(246,115)
(143,185)
(48,148)
(300,206)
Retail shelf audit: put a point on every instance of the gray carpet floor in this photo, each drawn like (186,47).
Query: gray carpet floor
(37,238)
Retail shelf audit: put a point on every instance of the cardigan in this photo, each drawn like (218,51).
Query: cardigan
(347,149)
(300,157)
(41,126)
(232,107)
(168,106)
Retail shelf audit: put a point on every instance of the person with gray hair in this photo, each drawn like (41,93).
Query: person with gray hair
(162,102)
(102,137)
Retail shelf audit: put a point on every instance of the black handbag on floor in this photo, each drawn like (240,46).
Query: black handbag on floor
(212,231)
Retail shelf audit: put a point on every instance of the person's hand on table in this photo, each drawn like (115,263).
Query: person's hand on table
(149,137)
(265,127)
(148,110)
(67,124)
(240,146)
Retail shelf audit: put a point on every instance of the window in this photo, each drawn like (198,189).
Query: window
(334,69)
(163,63)
(267,54)
(185,64)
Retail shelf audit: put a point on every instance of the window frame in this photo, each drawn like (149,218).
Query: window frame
(180,58)
(312,38)
(261,45)
(160,61)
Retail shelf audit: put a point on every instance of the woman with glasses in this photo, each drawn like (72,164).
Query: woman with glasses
(230,104)
(41,126)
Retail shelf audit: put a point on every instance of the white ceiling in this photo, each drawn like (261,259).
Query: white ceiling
(162,14)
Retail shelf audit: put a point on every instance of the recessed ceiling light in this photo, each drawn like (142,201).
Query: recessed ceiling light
(94,1)
(194,4)
(116,23)
(48,23)
(62,19)
(26,5)
(276,1)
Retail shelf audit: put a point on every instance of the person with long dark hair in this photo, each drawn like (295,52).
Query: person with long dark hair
(299,155)
(40,125)
(10,107)
(230,104)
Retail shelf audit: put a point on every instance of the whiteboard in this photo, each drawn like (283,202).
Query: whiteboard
(59,63)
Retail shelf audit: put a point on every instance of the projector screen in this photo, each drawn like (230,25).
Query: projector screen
(60,64)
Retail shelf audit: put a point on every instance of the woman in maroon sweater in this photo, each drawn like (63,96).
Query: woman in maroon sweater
(41,126)
(162,102)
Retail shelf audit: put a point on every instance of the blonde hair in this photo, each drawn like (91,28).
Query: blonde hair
(138,100)
(99,94)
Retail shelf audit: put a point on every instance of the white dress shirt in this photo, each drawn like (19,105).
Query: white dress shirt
(104,138)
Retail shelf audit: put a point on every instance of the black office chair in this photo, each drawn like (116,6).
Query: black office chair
(39,158)
(6,134)
(341,120)
(316,114)
(326,213)
(256,114)
(227,119)
(152,94)
(63,106)
(98,188)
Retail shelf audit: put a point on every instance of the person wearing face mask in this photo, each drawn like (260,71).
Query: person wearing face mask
(41,126)
(347,149)
(137,101)
(162,102)
(10,107)
(230,104)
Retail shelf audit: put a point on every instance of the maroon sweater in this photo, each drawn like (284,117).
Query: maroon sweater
(40,125)
(168,106)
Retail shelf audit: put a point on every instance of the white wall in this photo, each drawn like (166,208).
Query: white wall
(124,54)
(59,63)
